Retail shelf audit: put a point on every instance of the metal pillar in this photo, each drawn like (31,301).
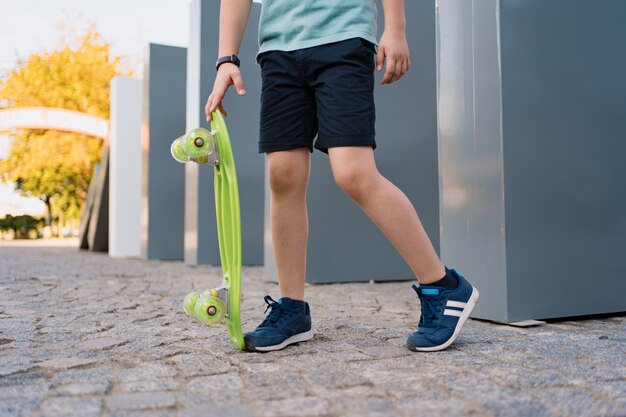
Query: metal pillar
(243,122)
(125,168)
(162,177)
(531,105)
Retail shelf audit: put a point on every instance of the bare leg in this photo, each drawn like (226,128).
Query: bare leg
(289,176)
(354,170)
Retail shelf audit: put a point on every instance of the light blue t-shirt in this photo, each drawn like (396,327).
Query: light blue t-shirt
(287,25)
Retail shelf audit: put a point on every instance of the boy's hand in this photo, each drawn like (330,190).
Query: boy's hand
(227,75)
(393,49)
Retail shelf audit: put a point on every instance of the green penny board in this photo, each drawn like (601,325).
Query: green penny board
(199,146)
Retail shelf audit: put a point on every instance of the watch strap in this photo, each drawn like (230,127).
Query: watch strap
(233,59)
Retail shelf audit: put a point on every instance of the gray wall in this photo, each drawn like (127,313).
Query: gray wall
(162,177)
(344,245)
(564,108)
(531,102)
(201,245)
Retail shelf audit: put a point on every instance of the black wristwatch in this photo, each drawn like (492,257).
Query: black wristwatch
(233,59)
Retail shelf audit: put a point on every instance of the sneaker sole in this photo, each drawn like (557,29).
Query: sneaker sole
(471,303)
(301,337)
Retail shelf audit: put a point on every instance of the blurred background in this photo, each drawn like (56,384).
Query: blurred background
(64,56)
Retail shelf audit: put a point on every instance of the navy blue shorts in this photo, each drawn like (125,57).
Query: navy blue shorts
(325,91)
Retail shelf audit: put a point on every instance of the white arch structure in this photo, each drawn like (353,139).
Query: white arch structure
(54,119)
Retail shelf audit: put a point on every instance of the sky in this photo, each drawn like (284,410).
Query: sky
(28,26)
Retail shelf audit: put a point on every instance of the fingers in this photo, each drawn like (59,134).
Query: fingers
(223,110)
(210,108)
(396,68)
(238,82)
(400,73)
(380,57)
(390,71)
(207,108)
(226,77)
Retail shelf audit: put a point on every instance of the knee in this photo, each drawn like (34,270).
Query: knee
(353,182)
(287,177)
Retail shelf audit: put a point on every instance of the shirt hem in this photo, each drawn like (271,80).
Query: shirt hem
(317,42)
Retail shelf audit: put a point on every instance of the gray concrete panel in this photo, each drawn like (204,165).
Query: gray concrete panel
(470,142)
(531,108)
(98,232)
(201,245)
(564,106)
(344,244)
(162,211)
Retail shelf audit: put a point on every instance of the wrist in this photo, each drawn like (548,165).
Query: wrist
(227,59)
(395,30)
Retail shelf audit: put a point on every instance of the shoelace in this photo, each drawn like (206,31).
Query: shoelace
(277,311)
(430,308)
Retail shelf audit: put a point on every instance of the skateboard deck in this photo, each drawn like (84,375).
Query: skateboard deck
(219,304)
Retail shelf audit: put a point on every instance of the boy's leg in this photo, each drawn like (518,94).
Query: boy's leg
(445,307)
(288,126)
(289,320)
(288,177)
(354,170)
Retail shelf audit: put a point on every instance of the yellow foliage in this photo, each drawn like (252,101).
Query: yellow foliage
(51,165)
(69,78)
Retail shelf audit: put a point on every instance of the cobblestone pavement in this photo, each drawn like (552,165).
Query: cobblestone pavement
(82,334)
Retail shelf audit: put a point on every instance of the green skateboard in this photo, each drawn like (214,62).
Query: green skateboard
(221,303)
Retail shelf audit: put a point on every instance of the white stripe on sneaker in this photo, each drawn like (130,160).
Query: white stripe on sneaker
(459,304)
(448,312)
(471,303)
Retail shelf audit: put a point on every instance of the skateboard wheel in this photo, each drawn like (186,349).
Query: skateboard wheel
(177,150)
(198,144)
(190,302)
(209,310)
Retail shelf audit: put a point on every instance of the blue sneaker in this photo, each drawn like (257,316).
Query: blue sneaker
(288,322)
(443,314)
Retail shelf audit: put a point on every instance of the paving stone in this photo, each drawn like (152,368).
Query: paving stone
(18,407)
(307,406)
(102,343)
(109,339)
(386,351)
(336,379)
(285,377)
(141,401)
(366,407)
(574,402)
(219,410)
(82,375)
(149,413)
(201,364)
(151,370)
(210,397)
(612,390)
(64,363)
(221,382)
(71,407)
(85,388)
(276,391)
(24,391)
(157,384)
(22,378)
(446,406)
(14,363)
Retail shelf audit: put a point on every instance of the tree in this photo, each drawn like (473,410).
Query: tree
(20,225)
(55,166)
